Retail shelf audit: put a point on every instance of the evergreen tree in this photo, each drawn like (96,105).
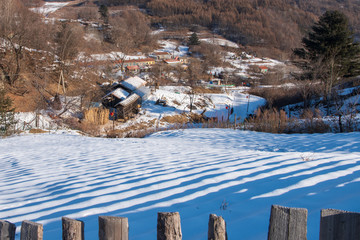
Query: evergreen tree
(7,114)
(330,51)
(194,40)
(104,12)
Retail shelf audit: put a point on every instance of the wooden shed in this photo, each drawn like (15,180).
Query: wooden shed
(128,107)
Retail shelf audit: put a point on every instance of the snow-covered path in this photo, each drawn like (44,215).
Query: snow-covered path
(236,174)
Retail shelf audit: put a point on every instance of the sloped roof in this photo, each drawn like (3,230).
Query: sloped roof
(133,83)
(119,93)
(161,53)
(131,99)
(132,67)
(172,61)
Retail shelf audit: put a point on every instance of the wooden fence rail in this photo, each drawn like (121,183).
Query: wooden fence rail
(285,224)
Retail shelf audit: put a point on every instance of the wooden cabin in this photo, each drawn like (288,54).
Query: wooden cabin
(128,107)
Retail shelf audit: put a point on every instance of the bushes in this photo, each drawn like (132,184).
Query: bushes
(268,120)
(278,97)
(274,121)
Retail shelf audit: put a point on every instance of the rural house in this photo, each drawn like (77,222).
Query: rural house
(263,69)
(161,55)
(134,64)
(125,100)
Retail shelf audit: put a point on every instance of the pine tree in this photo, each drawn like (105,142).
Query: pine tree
(7,114)
(194,40)
(104,12)
(330,50)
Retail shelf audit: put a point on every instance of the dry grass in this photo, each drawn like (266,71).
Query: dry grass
(269,120)
(274,121)
(36,130)
(313,122)
(199,89)
(97,116)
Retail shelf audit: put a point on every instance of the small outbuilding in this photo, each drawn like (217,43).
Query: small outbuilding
(128,107)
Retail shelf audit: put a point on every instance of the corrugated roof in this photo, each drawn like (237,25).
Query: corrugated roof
(119,93)
(133,83)
(131,99)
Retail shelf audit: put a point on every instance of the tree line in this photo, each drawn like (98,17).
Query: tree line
(277,24)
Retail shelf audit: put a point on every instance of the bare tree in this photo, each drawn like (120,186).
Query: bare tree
(18,28)
(68,40)
(128,32)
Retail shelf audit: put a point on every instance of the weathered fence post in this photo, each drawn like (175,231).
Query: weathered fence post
(339,225)
(217,228)
(31,231)
(169,226)
(7,230)
(287,223)
(72,229)
(113,228)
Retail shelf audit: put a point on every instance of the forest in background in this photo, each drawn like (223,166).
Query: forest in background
(271,28)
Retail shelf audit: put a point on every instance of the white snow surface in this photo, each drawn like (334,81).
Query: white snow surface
(220,42)
(49,7)
(232,173)
(133,83)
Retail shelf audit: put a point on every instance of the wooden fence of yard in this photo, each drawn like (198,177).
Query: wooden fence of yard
(285,224)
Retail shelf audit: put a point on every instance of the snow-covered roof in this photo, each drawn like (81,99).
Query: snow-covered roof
(143,92)
(119,93)
(133,83)
(132,98)
(172,61)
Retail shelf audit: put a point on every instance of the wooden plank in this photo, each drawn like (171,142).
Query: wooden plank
(287,223)
(7,230)
(72,229)
(113,228)
(217,228)
(339,225)
(169,226)
(31,231)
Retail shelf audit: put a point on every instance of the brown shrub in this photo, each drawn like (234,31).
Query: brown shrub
(278,97)
(313,122)
(269,120)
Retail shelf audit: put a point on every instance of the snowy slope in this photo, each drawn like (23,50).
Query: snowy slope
(195,172)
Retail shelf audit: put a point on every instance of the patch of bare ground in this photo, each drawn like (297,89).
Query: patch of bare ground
(36,130)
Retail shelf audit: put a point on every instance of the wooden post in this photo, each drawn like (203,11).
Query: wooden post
(169,226)
(72,229)
(287,223)
(217,228)
(339,225)
(31,231)
(7,230)
(113,228)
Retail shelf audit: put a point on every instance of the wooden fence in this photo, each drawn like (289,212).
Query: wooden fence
(285,224)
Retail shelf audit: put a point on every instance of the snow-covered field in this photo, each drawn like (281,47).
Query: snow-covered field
(236,174)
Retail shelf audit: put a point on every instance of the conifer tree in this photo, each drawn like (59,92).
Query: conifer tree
(7,114)
(194,40)
(330,51)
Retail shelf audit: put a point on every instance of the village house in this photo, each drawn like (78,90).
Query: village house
(161,55)
(172,61)
(263,69)
(130,65)
(126,99)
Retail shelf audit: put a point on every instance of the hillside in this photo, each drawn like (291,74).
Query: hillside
(269,27)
